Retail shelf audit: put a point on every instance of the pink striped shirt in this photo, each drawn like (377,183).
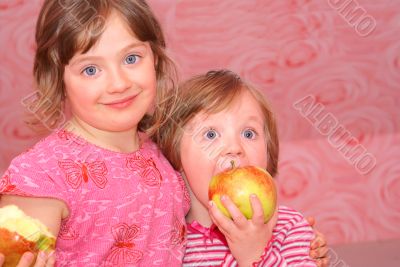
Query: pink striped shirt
(289,245)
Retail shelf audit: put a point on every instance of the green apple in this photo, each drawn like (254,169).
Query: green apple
(20,233)
(239,184)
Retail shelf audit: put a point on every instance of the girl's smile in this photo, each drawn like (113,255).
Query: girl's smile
(121,103)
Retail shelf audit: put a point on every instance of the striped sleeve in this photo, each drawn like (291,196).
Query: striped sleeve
(201,251)
(229,261)
(290,245)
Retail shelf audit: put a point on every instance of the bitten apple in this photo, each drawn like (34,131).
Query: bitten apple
(239,184)
(20,233)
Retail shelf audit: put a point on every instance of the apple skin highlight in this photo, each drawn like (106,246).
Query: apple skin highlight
(238,184)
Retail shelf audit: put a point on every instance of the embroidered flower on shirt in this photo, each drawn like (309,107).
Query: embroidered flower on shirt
(149,174)
(76,172)
(123,251)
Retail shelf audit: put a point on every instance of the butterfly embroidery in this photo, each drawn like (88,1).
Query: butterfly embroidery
(149,174)
(178,232)
(5,184)
(123,251)
(7,187)
(68,136)
(186,196)
(63,134)
(67,232)
(76,172)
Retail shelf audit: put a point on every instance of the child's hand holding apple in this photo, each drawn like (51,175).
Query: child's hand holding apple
(243,207)
(239,184)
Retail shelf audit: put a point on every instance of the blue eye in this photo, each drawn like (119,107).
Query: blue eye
(249,134)
(131,59)
(90,71)
(211,134)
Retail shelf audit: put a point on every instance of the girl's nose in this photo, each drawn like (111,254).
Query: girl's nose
(233,147)
(119,81)
(232,153)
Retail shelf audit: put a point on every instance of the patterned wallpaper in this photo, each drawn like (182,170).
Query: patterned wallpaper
(330,69)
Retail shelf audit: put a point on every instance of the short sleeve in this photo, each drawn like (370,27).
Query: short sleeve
(27,177)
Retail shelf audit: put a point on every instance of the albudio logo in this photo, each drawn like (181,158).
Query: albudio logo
(337,135)
(355,15)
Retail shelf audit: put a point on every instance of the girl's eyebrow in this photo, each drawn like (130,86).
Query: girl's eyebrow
(84,57)
(255,119)
(81,58)
(134,45)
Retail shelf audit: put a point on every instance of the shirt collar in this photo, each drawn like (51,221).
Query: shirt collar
(208,233)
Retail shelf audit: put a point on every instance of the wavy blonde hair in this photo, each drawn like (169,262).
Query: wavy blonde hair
(65,27)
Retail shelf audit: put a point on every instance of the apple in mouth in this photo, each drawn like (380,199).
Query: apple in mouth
(238,184)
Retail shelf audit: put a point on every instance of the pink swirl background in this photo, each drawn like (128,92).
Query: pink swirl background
(290,49)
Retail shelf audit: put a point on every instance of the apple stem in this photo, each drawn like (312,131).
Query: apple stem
(232,164)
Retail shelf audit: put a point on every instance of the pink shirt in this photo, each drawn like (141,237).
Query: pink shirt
(289,245)
(126,209)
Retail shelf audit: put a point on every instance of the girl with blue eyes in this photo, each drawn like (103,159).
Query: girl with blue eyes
(97,182)
(219,119)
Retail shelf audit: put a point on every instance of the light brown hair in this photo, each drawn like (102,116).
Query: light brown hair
(210,93)
(65,27)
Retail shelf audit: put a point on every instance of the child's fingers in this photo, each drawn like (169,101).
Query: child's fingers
(41,259)
(318,241)
(224,223)
(51,260)
(311,221)
(258,212)
(217,224)
(323,262)
(1,259)
(26,259)
(237,216)
(272,222)
(320,252)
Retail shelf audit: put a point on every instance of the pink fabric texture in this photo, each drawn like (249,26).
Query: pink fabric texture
(126,209)
(289,245)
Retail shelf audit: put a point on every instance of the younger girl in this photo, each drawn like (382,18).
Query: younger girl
(99,184)
(221,119)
